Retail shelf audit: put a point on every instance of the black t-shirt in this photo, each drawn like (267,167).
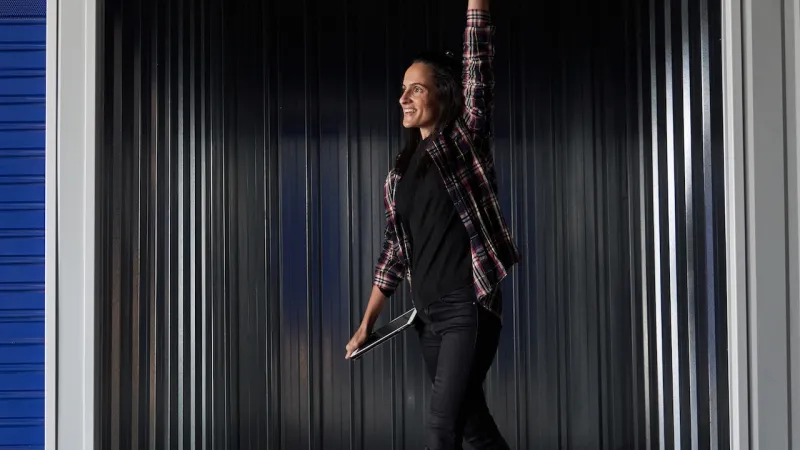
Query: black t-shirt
(441,261)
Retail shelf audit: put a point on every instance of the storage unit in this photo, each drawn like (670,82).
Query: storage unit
(22,223)
(239,216)
(218,222)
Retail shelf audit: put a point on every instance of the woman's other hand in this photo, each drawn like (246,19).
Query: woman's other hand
(356,341)
(376,301)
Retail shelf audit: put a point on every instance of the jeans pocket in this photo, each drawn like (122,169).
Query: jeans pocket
(461,295)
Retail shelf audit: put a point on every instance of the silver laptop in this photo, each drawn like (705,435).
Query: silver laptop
(386,332)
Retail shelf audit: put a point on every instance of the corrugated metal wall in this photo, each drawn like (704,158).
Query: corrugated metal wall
(22,179)
(678,225)
(240,188)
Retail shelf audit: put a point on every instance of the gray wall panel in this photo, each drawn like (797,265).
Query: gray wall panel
(240,216)
(761,100)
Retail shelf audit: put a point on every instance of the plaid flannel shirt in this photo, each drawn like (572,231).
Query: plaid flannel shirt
(462,153)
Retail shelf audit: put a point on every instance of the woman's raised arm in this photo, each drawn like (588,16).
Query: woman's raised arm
(478,75)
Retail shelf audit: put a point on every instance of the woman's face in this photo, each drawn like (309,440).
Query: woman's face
(418,99)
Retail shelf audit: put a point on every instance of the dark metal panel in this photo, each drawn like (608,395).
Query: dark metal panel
(244,148)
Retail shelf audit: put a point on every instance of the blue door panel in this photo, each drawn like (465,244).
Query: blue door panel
(18,57)
(22,84)
(22,222)
(21,326)
(21,110)
(23,352)
(21,243)
(21,298)
(23,32)
(12,404)
(20,433)
(23,189)
(21,138)
(22,165)
(21,270)
(21,217)
(25,377)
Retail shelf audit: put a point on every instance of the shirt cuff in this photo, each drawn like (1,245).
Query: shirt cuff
(386,292)
(478,18)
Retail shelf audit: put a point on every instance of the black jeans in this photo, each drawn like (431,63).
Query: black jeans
(459,340)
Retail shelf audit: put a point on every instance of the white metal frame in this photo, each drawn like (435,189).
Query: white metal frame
(735,222)
(69,234)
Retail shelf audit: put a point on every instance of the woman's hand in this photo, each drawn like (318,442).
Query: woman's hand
(356,341)
(374,307)
(478,4)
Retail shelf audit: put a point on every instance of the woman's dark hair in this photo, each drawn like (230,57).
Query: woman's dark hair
(446,70)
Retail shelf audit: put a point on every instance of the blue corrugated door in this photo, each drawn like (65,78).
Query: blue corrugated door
(22,176)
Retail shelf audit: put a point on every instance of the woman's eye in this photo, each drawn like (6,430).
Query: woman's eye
(417,90)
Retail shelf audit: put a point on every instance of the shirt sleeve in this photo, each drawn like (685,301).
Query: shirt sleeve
(390,268)
(478,73)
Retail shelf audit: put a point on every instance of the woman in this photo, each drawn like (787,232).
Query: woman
(444,226)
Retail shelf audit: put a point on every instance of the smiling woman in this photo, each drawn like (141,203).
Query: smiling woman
(446,226)
(420,107)
(432,93)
